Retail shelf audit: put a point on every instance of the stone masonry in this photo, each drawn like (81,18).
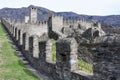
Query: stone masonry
(33,39)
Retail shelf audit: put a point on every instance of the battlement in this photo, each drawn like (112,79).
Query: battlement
(76,20)
(57,16)
(33,39)
(42,23)
(38,51)
(71,20)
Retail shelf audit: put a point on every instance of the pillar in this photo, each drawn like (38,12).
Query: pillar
(17,35)
(35,47)
(12,28)
(27,42)
(14,32)
(21,38)
(49,51)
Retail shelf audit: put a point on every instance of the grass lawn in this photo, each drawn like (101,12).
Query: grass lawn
(84,66)
(11,68)
(53,50)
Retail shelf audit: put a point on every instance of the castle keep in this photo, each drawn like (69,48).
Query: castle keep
(33,38)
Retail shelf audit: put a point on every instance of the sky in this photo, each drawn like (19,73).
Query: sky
(89,7)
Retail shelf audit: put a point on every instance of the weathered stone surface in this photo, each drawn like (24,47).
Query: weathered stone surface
(49,51)
(110,38)
(106,63)
(36,47)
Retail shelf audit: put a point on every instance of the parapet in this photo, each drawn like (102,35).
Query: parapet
(73,20)
(57,16)
(42,23)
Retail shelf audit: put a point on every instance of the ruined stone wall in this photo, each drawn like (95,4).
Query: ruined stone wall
(33,41)
(76,22)
(38,54)
(81,26)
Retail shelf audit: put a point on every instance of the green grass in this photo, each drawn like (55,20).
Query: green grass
(53,50)
(84,66)
(11,67)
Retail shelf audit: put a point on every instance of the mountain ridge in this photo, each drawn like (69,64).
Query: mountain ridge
(19,13)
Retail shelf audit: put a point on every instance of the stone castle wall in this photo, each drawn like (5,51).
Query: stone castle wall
(38,53)
(32,38)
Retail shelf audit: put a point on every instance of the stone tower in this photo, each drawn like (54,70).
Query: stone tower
(56,22)
(33,15)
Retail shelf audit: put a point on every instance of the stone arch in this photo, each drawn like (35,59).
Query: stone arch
(23,40)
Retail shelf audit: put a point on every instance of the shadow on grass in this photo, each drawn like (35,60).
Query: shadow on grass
(15,54)
(28,72)
(21,64)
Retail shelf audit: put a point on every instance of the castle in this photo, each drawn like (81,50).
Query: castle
(34,40)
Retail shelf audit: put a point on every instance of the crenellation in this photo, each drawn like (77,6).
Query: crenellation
(42,23)
(34,39)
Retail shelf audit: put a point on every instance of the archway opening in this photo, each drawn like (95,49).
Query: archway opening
(24,37)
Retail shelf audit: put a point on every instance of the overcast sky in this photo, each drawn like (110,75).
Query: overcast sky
(89,7)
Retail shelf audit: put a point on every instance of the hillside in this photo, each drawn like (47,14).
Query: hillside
(19,13)
(113,20)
